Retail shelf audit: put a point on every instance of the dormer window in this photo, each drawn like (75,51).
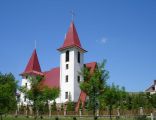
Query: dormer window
(78,57)
(67,56)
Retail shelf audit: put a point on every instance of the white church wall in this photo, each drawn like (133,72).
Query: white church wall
(72,86)
(66,86)
(77,70)
(25,82)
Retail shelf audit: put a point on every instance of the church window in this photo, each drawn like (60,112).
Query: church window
(66,78)
(67,66)
(26,85)
(66,95)
(78,57)
(78,79)
(67,56)
(25,98)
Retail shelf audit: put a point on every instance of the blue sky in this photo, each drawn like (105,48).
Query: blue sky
(121,31)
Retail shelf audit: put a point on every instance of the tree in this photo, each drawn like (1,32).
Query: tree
(113,96)
(8,86)
(152,100)
(50,94)
(38,94)
(94,84)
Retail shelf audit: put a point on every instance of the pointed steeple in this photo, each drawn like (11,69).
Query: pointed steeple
(71,39)
(33,66)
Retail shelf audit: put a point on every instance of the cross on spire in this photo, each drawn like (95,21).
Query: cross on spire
(73,15)
(35,44)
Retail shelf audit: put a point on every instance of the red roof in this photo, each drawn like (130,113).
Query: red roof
(91,66)
(33,66)
(72,38)
(82,100)
(52,78)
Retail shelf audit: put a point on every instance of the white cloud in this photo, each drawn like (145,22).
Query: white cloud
(103,40)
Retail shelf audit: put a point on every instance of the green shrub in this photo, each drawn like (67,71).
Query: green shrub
(141,117)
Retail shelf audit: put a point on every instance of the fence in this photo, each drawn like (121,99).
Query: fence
(115,112)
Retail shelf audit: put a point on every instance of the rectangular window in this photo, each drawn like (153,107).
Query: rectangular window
(66,95)
(67,66)
(78,79)
(78,57)
(67,56)
(26,85)
(25,98)
(66,78)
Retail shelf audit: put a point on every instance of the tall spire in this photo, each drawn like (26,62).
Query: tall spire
(33,65)
(72,39)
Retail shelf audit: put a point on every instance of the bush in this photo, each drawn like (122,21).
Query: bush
(56,118)
(141,117)
(74,118)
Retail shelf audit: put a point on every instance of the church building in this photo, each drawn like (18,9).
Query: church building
(66,77)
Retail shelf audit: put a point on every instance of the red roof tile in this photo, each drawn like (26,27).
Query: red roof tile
(72,39)
(33,66)
(52,78)
(91,66)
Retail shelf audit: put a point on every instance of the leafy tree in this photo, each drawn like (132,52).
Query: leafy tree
(38,94)
(139,100)
(114,96)
(94,84)
(153,99)
(50,94)
(53,106)
(8,86)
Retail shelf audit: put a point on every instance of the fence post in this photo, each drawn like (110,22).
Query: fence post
(26,112)
(118,112)
(49,109)
(152,116)
(31,111)
(65,112)
(97,112)
(37,113)
(80,112)
(141,111)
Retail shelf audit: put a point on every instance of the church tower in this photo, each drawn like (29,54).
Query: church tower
(32,69)
(71,63)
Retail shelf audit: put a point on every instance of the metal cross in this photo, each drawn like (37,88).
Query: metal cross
(35,44)
(73,14)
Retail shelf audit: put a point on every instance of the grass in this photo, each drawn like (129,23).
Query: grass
(60,118)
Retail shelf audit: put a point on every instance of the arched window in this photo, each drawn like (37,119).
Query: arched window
(78,57)
(67,56)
